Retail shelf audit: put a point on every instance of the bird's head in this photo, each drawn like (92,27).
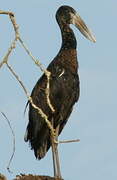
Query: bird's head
(66,15)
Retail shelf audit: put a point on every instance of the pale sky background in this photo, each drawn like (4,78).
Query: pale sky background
(94,119)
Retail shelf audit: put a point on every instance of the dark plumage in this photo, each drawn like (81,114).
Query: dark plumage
(64,85)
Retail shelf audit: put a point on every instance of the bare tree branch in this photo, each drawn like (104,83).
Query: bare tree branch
(8,167)
(13,44)
(5,59)
(69,141)
(47,73)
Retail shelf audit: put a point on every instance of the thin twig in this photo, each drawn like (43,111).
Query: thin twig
(32,57)
(5,59)
(15,26)
(8,167)
(69,141)
(7,12)
(47,73)
(18,79)
(13,44)
(12,18)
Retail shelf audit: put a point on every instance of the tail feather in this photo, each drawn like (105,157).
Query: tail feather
(40,146)
(26,136)
(39,140)
(41,151)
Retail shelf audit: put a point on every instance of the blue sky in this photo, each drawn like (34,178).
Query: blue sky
(94,119)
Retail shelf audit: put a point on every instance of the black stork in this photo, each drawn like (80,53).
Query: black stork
(64,86)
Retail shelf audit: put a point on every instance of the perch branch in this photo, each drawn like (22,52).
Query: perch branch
(8,167)
(69,141)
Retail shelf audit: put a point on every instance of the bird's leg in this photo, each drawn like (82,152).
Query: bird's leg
(53,154)
(57,154)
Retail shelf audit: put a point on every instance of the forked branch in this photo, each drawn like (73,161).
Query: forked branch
(47,73)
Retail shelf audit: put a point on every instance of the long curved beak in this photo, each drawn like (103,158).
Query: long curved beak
(80,24)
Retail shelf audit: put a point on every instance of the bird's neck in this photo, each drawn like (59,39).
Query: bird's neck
(68,38)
